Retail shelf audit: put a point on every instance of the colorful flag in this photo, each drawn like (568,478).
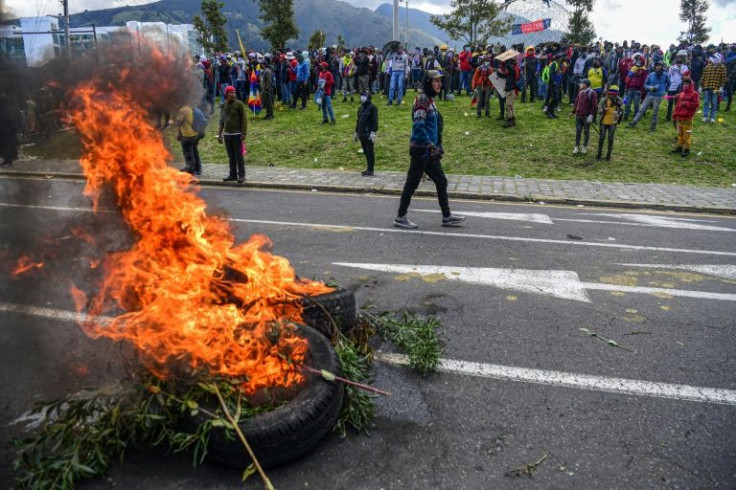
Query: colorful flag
(254,99)
(537,25)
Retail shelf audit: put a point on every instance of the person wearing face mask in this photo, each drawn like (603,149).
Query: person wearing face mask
(326,82)
(483,87)
(597,76)
(676,72)
(425,149)
(586,105)
(655,85)
(530,74)
(686,106)
(712,83)
(465,70)
(635,86)
(366,129)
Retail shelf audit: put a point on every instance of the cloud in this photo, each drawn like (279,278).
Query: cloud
(725,3)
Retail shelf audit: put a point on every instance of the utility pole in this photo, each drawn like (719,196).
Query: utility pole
(395,33)
(406,32)
(67,37)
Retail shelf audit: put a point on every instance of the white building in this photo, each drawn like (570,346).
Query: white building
(39,39)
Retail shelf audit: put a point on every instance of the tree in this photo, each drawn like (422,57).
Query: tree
(580,29)
(693,12)
(317,40)
(475,21)
(211,33)
(278,22)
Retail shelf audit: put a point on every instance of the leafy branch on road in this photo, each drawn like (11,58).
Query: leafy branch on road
(608,341)
(527,469)
(414,334)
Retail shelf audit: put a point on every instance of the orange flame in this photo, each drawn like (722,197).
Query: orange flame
(185,291)
(23,265)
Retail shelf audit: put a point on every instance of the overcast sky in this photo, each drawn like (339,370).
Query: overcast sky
(646,21)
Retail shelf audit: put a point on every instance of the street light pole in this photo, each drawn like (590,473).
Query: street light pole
(395,32)
(67,40)
(406,32)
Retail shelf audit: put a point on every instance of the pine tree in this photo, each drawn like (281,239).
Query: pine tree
(580,29)
(316,40)
(278,20)
(210,27)
(475,21)
(693,12)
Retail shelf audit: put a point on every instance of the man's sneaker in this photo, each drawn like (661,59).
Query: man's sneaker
(705,119)
(685,152)
(544,109)
(584,150)
(453,220)
(403,222)
(230,178)
(367,173)
(712,119)
(575,151)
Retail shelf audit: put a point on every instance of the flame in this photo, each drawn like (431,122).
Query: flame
(23,265)
(185,291)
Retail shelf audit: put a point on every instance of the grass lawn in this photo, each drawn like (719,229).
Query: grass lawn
(537,147)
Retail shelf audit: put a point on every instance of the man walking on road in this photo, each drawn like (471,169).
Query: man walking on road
(426,151)
(233,127)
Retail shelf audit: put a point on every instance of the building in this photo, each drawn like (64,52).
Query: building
(39,39)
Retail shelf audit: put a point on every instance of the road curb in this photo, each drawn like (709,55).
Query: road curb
(536,199)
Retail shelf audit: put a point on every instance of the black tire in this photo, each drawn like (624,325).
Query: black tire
(337,306)
(289,432)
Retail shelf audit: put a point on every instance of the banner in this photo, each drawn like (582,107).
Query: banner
(537,25)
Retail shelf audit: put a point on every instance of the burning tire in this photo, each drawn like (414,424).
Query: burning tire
(289,432)
(322,310)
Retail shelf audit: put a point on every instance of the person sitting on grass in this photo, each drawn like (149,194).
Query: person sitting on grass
(609,110)
(686,105)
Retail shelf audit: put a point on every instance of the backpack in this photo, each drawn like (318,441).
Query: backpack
(199,120)
(545,74)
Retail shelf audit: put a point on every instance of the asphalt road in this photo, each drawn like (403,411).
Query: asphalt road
(659,411)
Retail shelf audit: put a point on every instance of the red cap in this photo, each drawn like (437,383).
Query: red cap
(229,89)
(324,64)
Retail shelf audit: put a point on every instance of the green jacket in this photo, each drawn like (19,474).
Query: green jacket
(233,118)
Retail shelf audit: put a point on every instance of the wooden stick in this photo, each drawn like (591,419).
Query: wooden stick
(235,425)
(332,377)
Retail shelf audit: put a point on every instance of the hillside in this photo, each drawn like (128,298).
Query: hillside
(358,26)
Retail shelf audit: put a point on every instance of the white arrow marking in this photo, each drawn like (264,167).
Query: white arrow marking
(528,217)
(724,271)
(559,284)
(579,381)
(667,222)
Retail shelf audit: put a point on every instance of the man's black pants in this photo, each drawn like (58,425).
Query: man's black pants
(421,164)
(234,148)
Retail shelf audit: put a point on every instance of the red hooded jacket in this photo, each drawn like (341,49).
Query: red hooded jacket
(687,103)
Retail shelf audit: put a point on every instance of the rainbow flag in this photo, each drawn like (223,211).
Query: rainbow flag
(254,99)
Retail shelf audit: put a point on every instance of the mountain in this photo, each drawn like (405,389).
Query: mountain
(358,26)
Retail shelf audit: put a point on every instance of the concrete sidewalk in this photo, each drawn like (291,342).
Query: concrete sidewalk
(612,194)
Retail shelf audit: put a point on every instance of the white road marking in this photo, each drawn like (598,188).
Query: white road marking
(667,222)
(528,217)
(486,237)
(578,381)
(559,284)
(431,233)
(724,271)
(553,378)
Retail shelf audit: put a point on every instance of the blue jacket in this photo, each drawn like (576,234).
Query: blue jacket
(425,123)
(660,84)
(302,72)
